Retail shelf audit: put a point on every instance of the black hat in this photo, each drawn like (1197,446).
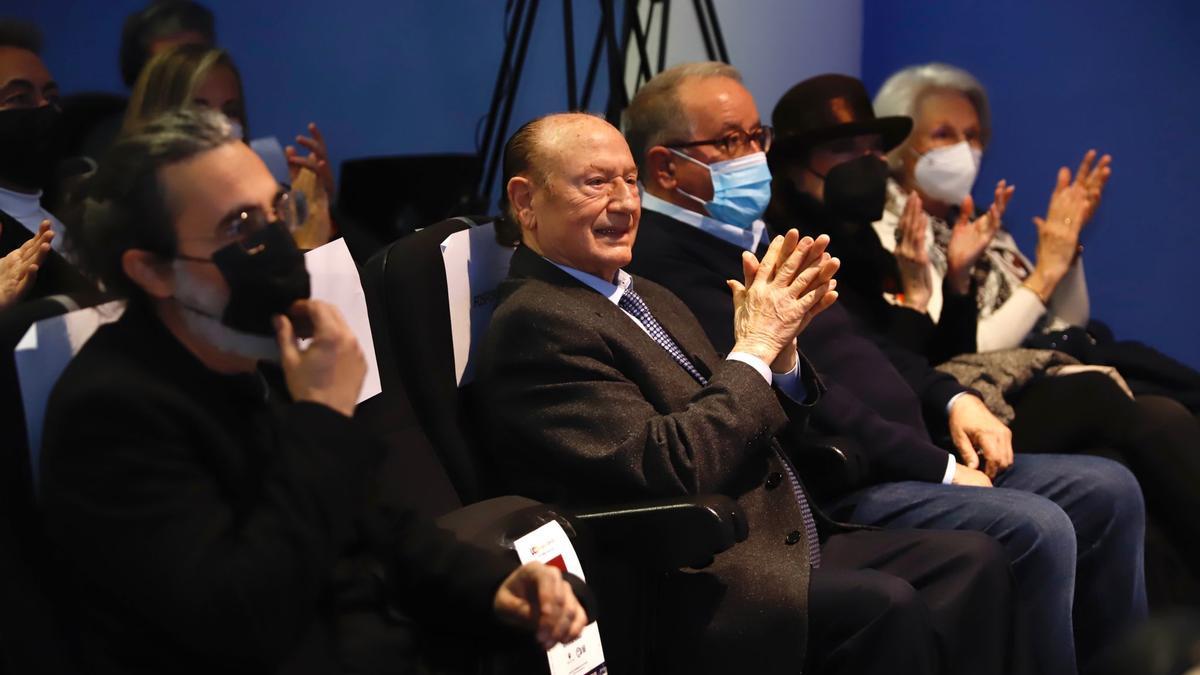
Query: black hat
(826,107)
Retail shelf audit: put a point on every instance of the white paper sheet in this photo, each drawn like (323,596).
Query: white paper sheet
(335,280)
(475,265)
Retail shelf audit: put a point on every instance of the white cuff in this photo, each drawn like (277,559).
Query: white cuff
(754,362)
(789,383)
(948,477)
(953,400)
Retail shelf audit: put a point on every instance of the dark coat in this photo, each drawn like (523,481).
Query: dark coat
(207,523)
(878,393)
(584,409)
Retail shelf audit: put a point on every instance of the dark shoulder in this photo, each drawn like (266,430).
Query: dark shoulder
(119,366)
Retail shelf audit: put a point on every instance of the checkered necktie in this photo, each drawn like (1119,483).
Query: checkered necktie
(633,304)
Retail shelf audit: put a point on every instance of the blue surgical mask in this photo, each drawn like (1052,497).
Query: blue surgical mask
(741,188)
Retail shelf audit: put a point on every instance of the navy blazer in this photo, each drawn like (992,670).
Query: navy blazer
(879,394)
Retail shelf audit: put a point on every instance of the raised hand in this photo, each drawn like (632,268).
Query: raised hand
(1093,178)
(330,370)
(19,268)
(317,159)
(912,255)
(970,238)
(1058,233)
(781,295)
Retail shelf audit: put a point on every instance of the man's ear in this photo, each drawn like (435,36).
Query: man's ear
(520,198)
(150,272)
(660,168)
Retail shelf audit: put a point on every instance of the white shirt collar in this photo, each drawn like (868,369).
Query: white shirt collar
(747,240)
(27,209)
(606,288)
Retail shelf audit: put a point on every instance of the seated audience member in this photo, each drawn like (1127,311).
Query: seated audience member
(29,115)
(700,141)
(163,24)
(1020,301)
(159,26)
(1156,435)
(196,75)
(600,387)
(208,498)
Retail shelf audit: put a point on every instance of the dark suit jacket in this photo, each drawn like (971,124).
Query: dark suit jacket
(868,399)
(583,408)
(206,523)
(55,276)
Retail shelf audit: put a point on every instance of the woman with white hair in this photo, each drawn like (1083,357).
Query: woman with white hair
(939,162)
(1034,303)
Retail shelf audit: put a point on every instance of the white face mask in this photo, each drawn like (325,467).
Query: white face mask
(947,174)
(202,310)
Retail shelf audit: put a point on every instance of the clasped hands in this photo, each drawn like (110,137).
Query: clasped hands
(780,296)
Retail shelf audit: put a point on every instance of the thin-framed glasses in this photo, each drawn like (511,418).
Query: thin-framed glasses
(288,210)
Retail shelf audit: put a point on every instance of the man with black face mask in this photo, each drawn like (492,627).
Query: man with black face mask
(1071,526)
(29,156)
(212,512)
(831,176)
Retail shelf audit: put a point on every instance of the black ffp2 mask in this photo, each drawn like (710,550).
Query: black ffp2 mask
(29,146)
(856,191)
(265,274)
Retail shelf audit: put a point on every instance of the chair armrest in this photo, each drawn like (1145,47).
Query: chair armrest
(497,522)
(671,533)
(830,465)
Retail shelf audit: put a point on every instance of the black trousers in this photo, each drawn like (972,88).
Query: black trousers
(1155,436)
(912,601)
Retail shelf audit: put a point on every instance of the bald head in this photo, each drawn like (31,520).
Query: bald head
(571,185)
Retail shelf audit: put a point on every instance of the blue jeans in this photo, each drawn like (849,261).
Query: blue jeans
(1065,521)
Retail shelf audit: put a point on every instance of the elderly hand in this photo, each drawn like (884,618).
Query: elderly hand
(19,268)
(970,238)
(976,431)
(912,255)
(536,597)
(317,159)
(330,370)
(1093,178)
(792,284)
(1071,206)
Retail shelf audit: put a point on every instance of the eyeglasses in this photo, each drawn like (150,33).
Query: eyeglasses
(288,210)
(736,142)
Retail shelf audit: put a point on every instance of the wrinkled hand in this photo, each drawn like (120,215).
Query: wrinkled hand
(975,431)
(1058,233)
(1093,178)
(781,294)
(317,159)
(912,255)
(536,597)
(965,475)
(330,370)
(969,239)
(19,269)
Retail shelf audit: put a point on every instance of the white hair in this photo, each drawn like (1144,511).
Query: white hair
(902,92)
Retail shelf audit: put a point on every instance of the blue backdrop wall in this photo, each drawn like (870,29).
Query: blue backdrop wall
(388,77)
(1064,77)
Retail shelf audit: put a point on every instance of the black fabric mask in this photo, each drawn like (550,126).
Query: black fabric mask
(29,146)
(856,191)
(265,274)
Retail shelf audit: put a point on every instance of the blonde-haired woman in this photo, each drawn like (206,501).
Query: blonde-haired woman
(204,76)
